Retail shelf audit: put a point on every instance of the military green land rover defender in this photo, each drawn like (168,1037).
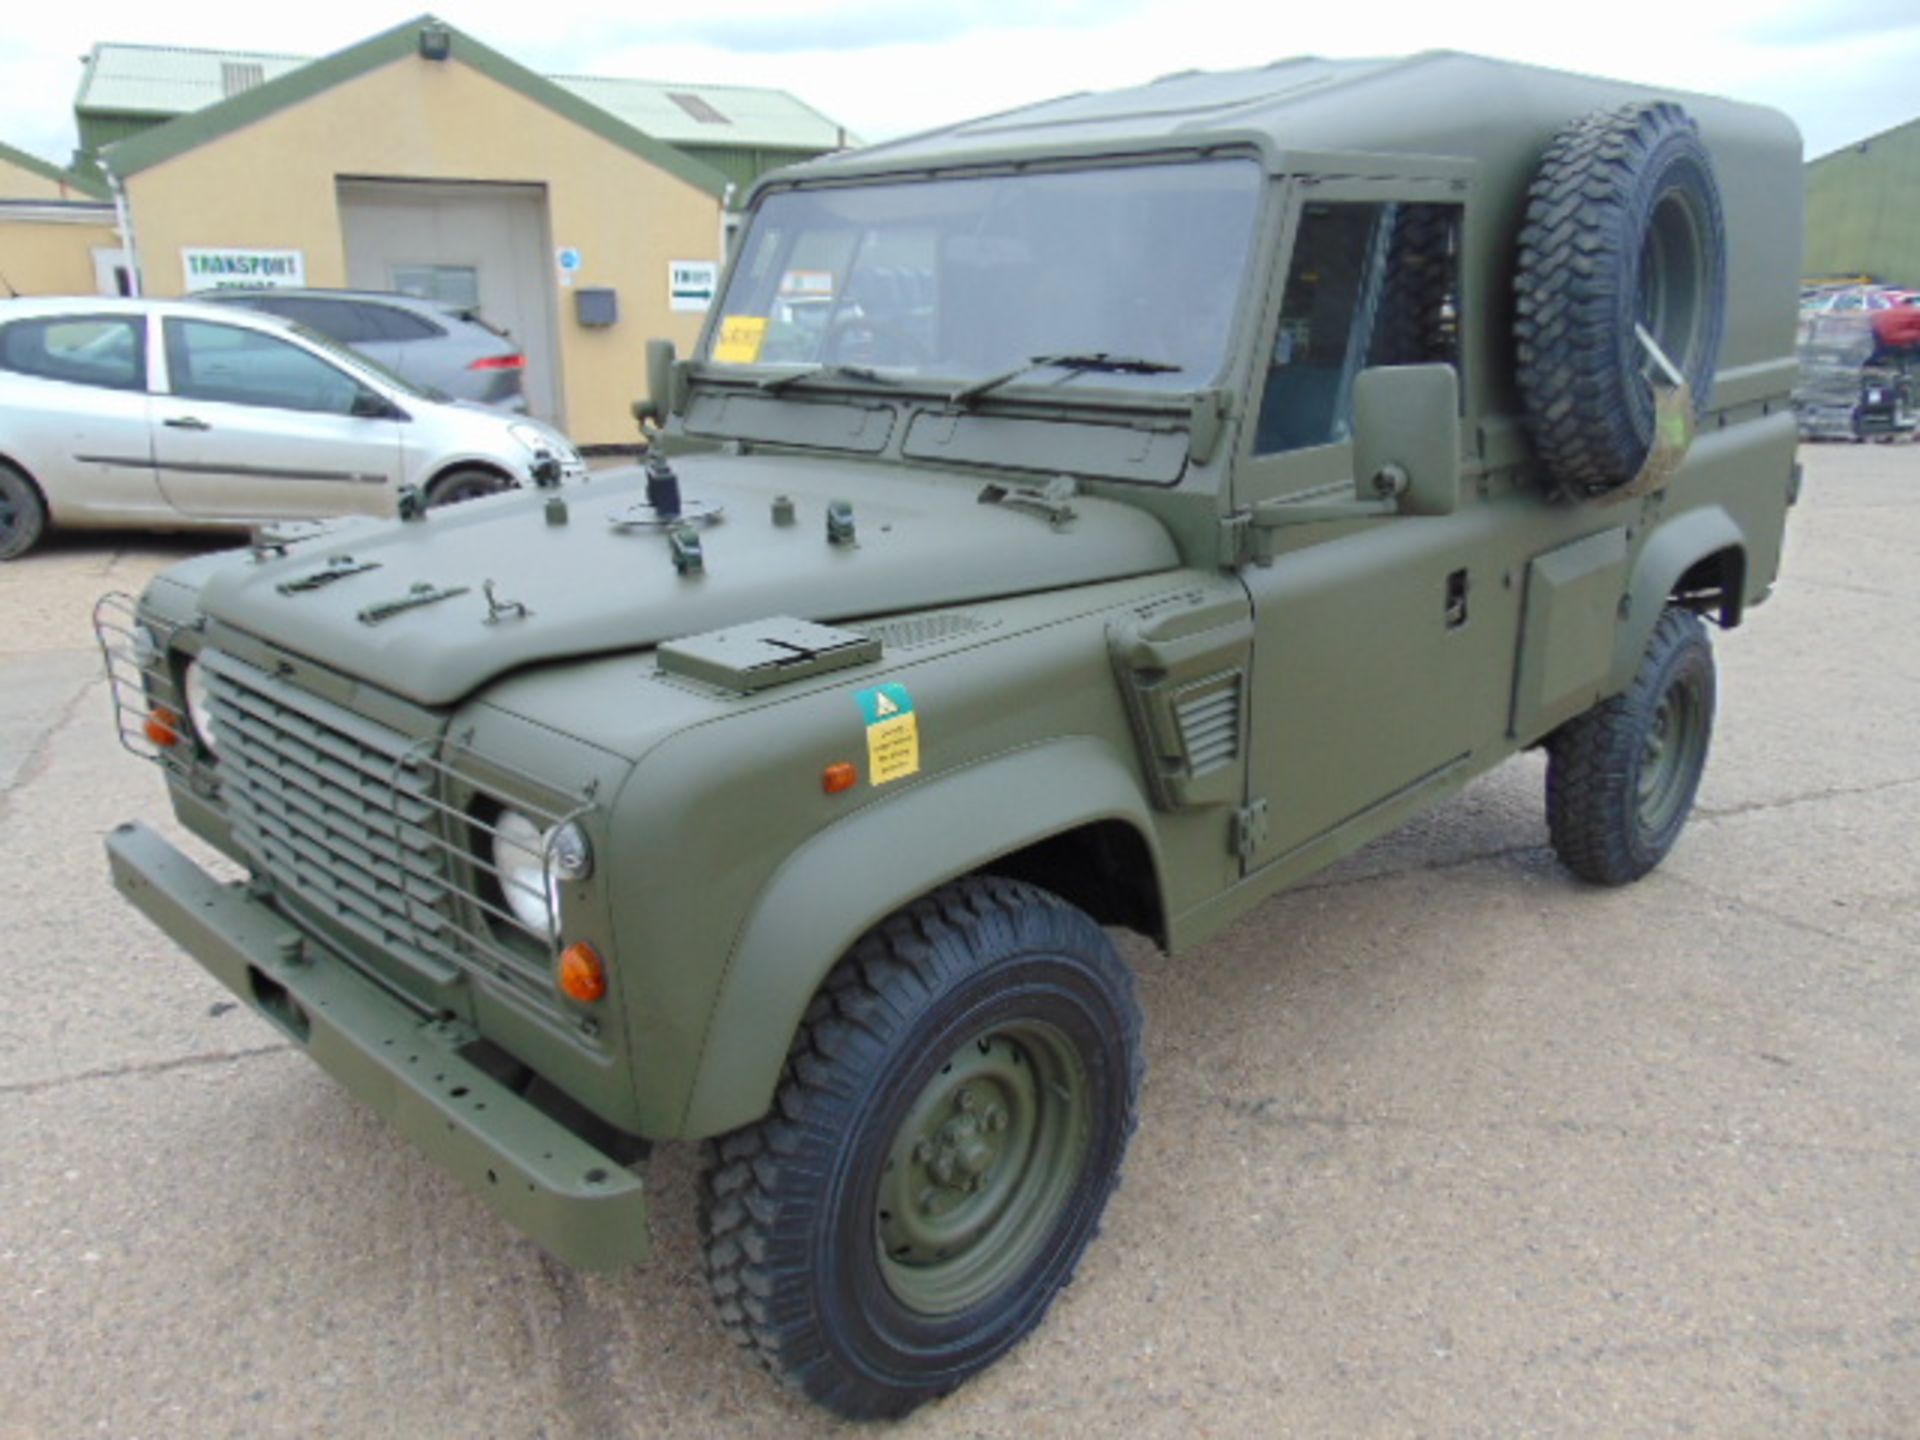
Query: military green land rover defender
(1103,514)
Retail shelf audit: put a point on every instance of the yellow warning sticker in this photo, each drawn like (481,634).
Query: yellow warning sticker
(739,340)
(893,733)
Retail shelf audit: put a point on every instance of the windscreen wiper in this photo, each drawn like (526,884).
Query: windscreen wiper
(1088,360)
(774,384)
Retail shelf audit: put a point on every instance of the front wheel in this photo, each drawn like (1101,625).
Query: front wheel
(1621,778)
(470,483)
(950,1125)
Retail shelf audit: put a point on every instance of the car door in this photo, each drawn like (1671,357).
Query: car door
(76,413)
(255,426)
(1383,647)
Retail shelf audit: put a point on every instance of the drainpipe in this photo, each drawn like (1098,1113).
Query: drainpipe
(123,220)
(727,222)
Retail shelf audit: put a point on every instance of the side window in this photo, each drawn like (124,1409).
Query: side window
(390,322)
(336,319)
(108,351)
(1369,284)
(245,367)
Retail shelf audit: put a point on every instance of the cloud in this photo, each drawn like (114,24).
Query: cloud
(1833,20)
(767,29)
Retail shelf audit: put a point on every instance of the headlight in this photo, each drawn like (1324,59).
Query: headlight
(200,705)
(532,862)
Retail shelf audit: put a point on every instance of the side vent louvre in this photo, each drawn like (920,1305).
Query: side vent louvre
(1208,715)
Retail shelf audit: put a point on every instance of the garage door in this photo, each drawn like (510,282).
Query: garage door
(464,243)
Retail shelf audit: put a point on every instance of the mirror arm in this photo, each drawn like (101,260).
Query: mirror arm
(1389,483)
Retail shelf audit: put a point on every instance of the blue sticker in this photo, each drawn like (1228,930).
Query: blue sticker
(884,702)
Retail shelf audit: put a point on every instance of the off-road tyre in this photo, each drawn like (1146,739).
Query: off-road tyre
(23,514)
(467,483)
(1623,224)
(990,987)
(1621,778)
(1418,323)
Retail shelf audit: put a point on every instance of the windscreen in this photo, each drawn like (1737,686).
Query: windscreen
(964,278)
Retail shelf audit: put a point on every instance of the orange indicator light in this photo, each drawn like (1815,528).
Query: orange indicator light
(164,728)
(582,976)
(838,777)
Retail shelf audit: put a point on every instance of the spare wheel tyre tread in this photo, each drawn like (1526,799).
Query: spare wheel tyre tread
(1579,287)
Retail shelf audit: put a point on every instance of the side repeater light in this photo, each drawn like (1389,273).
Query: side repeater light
(838,777)
(164,727)
(581,974)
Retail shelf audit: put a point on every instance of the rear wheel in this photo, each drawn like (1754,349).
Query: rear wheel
(952,1121)
(465,484)
(23,514)
(1621,778)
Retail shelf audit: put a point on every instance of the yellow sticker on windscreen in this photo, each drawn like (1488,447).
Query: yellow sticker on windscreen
(739,340)
(893,733)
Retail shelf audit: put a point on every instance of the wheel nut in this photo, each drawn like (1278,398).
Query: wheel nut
(922,1153)
(965,1100)
(996,1119)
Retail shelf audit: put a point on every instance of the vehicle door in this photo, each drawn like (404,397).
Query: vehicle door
(76,413)
(256,426)
(1383,647)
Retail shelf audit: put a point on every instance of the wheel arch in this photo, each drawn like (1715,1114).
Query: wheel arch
(1078,803)
(1698,559)
(453,467)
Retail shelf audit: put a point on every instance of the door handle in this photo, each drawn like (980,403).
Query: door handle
(186,422)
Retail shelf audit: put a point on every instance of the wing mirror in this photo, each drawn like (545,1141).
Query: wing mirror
(1406,437)
(1406,452)
(660,399)
(370,405)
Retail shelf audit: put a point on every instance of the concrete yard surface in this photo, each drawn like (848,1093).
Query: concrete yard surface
(1442,1144)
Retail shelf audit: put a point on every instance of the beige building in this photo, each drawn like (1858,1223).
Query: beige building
(420,160)
(56,230)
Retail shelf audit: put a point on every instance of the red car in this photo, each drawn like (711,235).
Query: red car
(1894,314)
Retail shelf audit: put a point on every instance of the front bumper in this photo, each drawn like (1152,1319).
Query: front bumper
(536,1174)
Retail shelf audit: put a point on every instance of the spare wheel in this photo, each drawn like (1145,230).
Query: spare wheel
(1623,232)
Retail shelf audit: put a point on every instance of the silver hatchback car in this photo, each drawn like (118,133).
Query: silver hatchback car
(172,415)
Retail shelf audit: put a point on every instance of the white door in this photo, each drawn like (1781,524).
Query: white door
(463,243)
(112,272)
(253,427)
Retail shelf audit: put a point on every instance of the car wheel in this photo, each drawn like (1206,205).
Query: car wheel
(1621,778)
(23,514)
(466,484)
(950,1125)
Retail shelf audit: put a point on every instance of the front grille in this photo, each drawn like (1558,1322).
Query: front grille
(365,828)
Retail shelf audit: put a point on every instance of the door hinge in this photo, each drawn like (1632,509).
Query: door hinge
(1242,543)
(1250,829)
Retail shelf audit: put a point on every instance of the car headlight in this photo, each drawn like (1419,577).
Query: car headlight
(531,863)
(200,705)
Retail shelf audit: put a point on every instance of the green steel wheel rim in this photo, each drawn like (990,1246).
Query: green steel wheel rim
(980,1170)
(1672,753)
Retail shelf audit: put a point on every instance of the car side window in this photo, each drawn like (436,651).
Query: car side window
(1369,284)
(109,351)
(239,366)
(390,322)
(336,319)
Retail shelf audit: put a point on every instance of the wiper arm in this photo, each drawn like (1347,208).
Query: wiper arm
(774,384)
(1088,360)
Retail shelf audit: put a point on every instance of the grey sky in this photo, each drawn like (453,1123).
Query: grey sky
(1843,69)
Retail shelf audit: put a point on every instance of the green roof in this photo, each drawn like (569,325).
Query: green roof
(258,101)
(85,184)
(169,80)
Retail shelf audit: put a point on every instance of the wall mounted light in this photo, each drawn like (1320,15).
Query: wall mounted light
(436,42)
